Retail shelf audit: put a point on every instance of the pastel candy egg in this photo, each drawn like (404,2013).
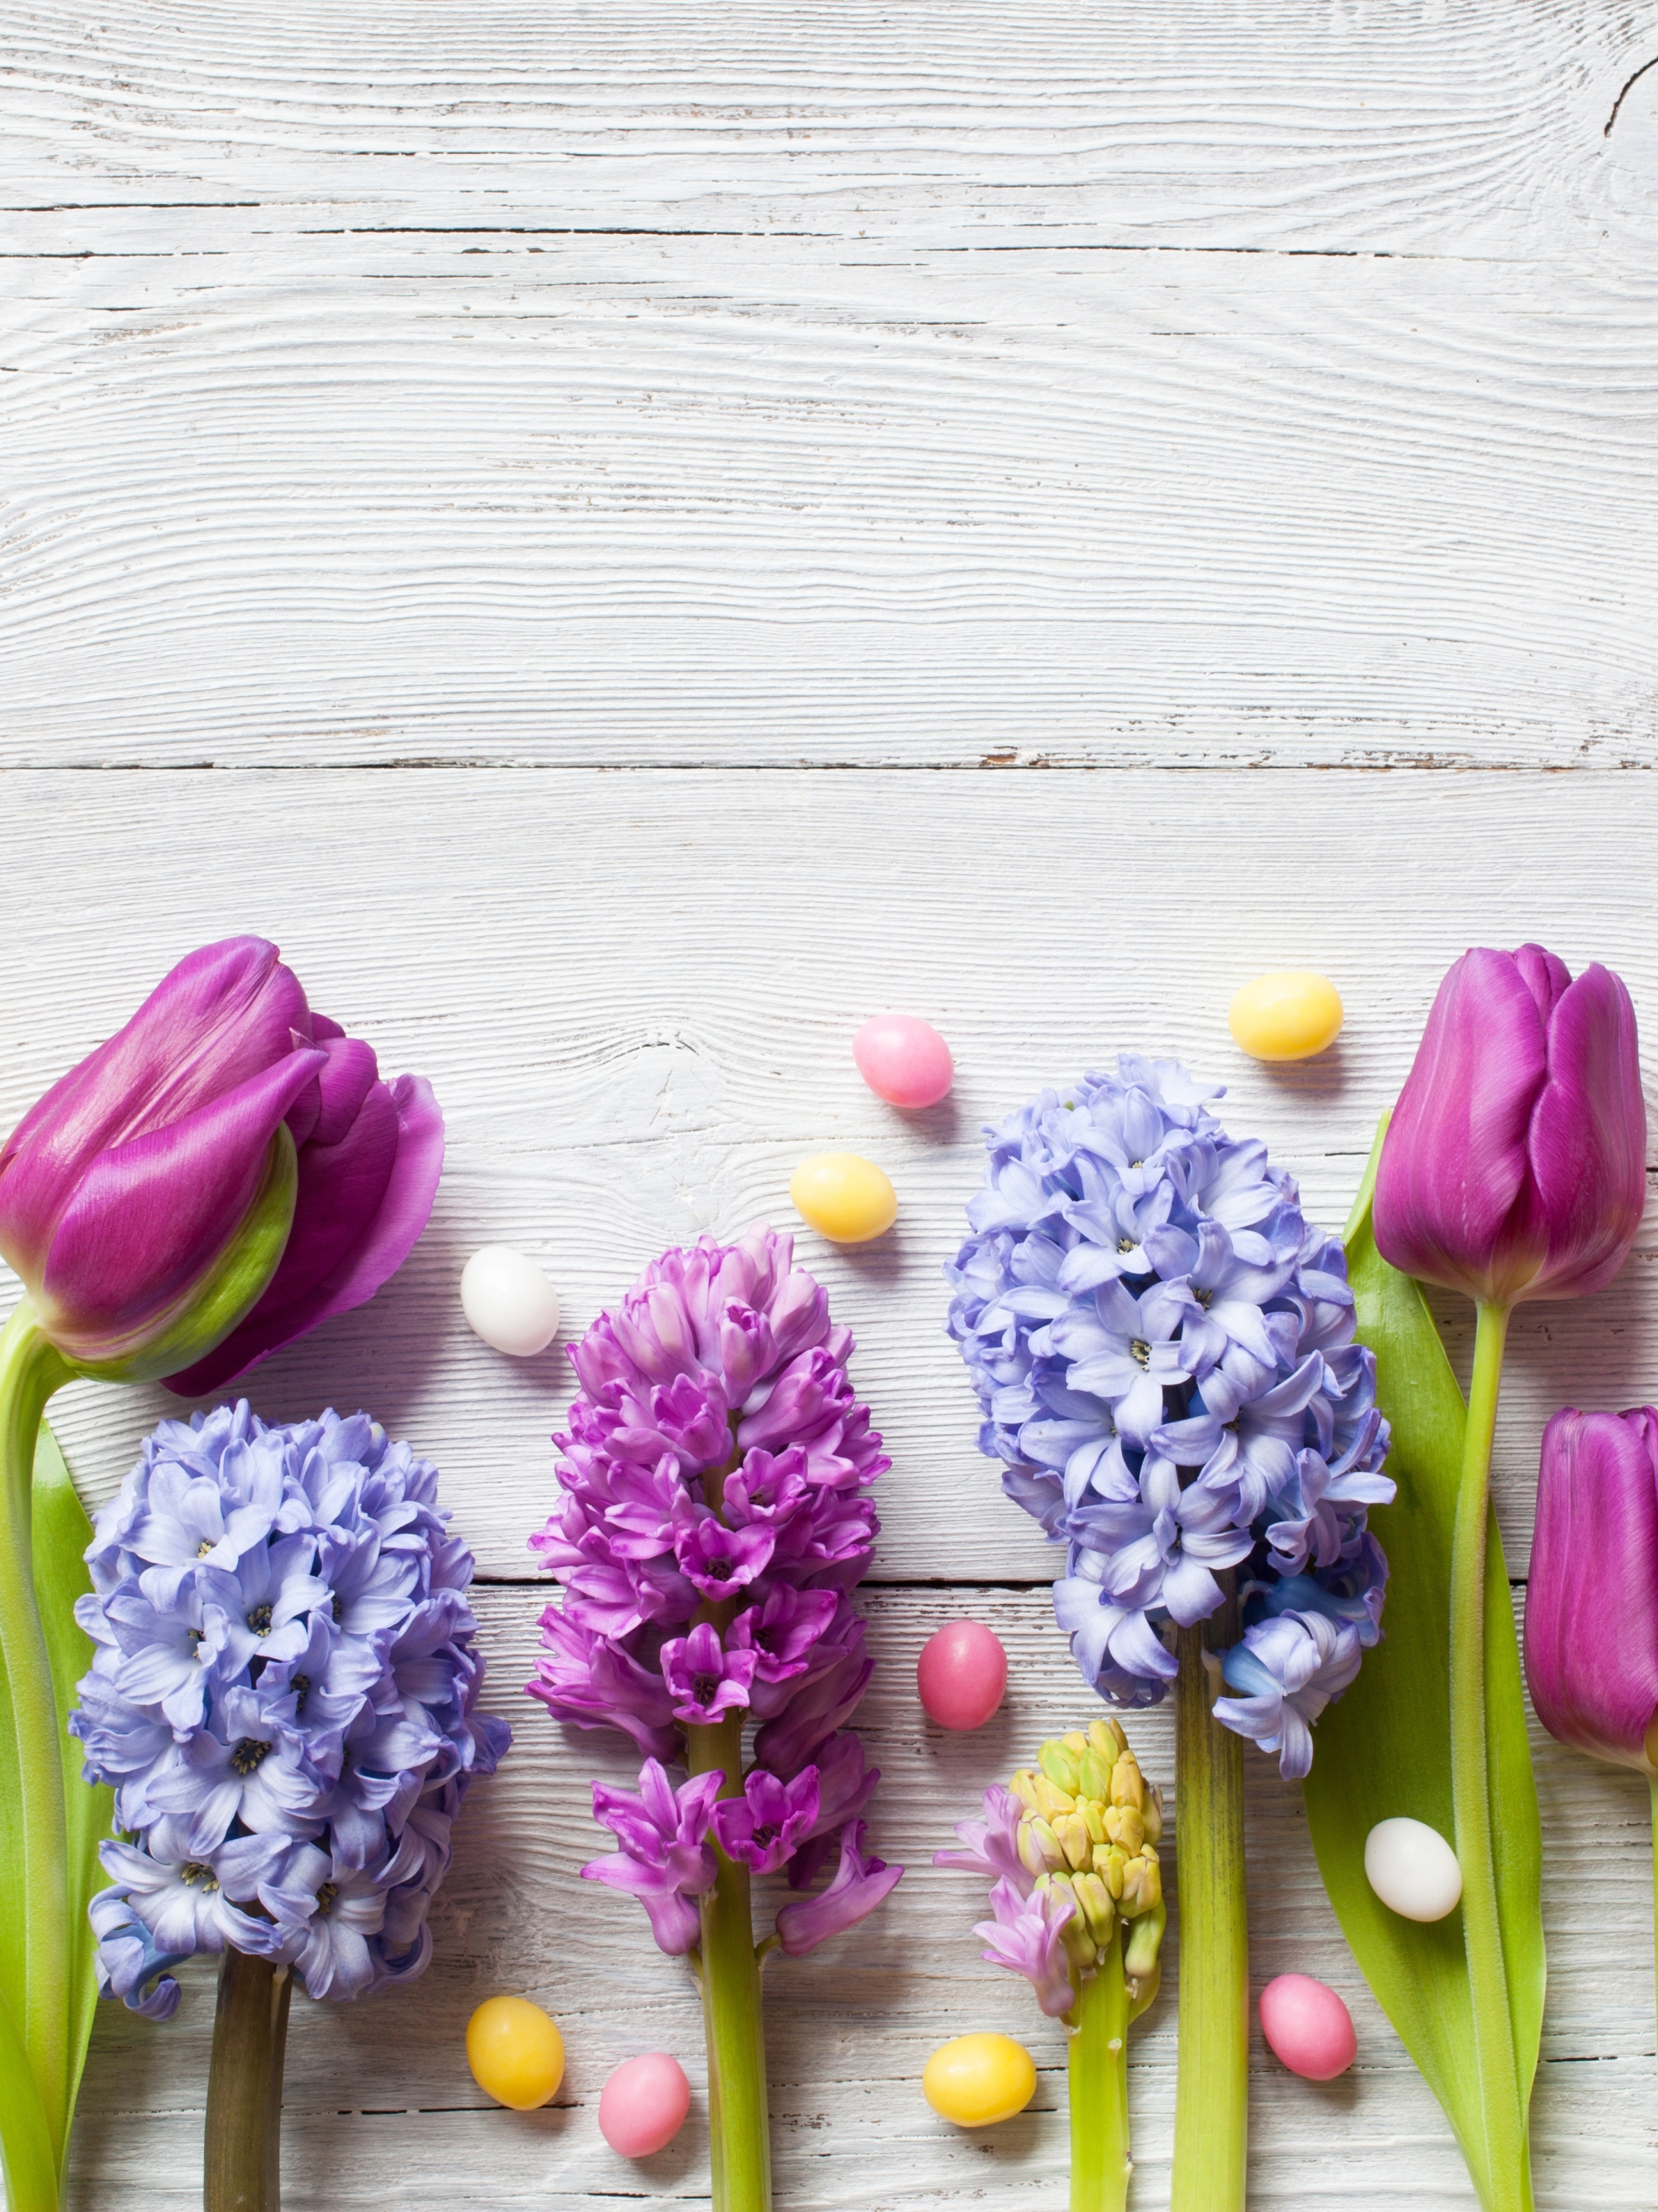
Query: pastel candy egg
(842,1197)
(516,2052)
(1290,1015)
(1412,1870)
(644,2104)
(1307,2027)
(978,2080)
(962,1674)
(903,1060)
(508,1300)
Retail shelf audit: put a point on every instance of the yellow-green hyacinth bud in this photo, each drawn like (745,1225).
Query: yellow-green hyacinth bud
(1152,1813)
(1071,1832)
(1142,1939)
(1108,1740)
(1124,1826)
(1039,1847)
(1023,1786)
(1128,1786)
(1093,1774)
(1109,1860)
(1098,1907)
(1142,1885)
(1059,1765)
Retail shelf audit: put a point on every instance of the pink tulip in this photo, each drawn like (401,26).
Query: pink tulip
(144,1201)
(1591,1597)
(1514,1165)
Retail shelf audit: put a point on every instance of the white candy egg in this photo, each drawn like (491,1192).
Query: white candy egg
(1412,1870)
(509,1303)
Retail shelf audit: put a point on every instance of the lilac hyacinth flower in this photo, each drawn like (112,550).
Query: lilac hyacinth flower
(714,1518)
(1163,1349)
(1026,1934)
(1288,1669)
(287,1709)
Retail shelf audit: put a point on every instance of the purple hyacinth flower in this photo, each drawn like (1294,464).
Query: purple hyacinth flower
(764,1825)
(859,1885)
(715,1559)
(1026,1935)
(663,1860)
(705,1680)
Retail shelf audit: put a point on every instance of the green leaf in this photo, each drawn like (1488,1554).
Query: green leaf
(1384,1748)
(62,1533)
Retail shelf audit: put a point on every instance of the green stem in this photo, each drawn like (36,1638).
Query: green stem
(1098,2067)
(1212,2093)
(241,2149)
(739,2139)
(38,1955)
(1503,2110)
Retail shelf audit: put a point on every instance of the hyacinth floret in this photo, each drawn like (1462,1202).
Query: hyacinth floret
(284,1695)
(714,1522)
(1163,1349)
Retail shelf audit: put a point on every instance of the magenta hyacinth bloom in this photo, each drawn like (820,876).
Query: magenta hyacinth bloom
(1592,1596)
(1514,1167)
(124,1187)
(714,1522)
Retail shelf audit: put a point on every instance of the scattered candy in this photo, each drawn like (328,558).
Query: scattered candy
(1412,1870)
(903,1060)
(509,1303)
(516,2052)
(962,1675)
(842,1197)
(978,2080)
(644,2105)
(1290,1015)
(1307,2027)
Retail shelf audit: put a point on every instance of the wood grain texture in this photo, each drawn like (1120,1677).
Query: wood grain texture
(775,384)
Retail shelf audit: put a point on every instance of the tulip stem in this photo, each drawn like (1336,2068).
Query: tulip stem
(34,1827)
(1503,2108)
(1098,2069)
(1211,2090)
(740,2137)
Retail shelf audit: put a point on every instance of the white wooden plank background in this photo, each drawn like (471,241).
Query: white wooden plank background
(522,506)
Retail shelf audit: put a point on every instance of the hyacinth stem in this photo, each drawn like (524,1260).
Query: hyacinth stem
(739,2135)
(241,2152)
(1098,2068)
(33,1831)
(1504,2111)
(1211,2093)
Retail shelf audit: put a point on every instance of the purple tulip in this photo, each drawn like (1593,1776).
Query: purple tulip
(1514,1164)
(1592,1598)
(128,1185)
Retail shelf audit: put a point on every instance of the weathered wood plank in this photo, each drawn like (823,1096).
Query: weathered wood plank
(379,2099)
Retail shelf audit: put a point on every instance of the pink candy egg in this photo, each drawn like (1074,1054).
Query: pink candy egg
(962,1675)
(1307,2027)
(903,1060)
(644,2104)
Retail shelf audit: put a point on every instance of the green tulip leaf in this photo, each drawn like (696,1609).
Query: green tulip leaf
(62,1533)
(1384,1748)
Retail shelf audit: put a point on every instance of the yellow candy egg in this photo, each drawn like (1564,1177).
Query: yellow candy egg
(516,2052)
(842,1197)
(1288,1015)
(978,2080)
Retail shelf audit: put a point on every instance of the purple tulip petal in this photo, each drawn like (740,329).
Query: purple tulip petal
(223,1017)
(1589,1139)
(1454,1161)
(335,1186)
(1592,1595)
(1543,975)
(149,1215)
